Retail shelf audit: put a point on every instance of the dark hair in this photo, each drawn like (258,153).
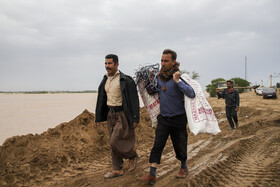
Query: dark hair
(229,81)
(114,57)
(169,51)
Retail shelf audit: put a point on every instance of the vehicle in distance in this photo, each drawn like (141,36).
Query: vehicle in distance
(269,92)
(259,91)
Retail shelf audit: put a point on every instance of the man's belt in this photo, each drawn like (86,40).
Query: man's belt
(115,108)
(173,117)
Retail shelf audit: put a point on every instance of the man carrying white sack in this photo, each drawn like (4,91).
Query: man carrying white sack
(172,119)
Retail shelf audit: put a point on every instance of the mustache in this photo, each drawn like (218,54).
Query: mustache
(108,68)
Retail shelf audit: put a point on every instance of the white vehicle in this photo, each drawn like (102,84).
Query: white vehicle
(259,91)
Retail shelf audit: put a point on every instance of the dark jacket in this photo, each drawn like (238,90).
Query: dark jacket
(130,100)
(232,98)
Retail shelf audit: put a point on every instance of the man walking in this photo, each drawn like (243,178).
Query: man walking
(172,119)
(118,104)
(232,103)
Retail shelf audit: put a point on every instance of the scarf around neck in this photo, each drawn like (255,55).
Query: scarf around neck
(167,74)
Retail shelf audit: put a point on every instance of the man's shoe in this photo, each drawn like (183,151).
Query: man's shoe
(148,178)
(182,173)
(231,128)
(113,174)
(237,125)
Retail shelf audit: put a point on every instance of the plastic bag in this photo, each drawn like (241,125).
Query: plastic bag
(145,78)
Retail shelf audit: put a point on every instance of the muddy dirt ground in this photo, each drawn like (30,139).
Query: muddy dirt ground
(77,154)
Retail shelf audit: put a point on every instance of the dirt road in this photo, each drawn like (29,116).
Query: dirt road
(77,154)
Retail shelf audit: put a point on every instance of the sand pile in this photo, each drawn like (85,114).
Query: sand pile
(24,158)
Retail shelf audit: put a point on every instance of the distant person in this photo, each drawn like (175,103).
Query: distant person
(118,104)
(232,104)
(172,119)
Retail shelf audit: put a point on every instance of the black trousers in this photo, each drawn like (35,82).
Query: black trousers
(178,134)
(231,113)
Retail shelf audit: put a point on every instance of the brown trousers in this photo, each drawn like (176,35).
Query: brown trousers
(122,139)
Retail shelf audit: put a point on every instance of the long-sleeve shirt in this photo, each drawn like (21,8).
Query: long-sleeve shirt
(172,99)
(231,98)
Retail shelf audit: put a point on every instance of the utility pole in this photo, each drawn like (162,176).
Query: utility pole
(245,67)
(270,81)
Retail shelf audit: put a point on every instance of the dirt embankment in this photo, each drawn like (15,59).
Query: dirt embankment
(77,153)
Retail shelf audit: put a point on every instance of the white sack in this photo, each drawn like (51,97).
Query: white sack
(201,117)
(151,102)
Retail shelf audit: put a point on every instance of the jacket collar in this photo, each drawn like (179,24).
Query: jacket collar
(122,76)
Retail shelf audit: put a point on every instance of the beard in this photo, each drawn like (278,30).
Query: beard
(166,68)
(166,72)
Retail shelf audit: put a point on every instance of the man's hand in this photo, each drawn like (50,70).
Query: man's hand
(237,109)
(96,124)
(176,76)
(135,125)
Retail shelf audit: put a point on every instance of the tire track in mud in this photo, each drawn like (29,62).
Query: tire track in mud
(250,161)
(170,162)
(168,166)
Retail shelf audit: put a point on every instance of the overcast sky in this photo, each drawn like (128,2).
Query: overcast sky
(61,44)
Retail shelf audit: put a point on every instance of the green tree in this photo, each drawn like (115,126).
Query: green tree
(239,82)
(211,88)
